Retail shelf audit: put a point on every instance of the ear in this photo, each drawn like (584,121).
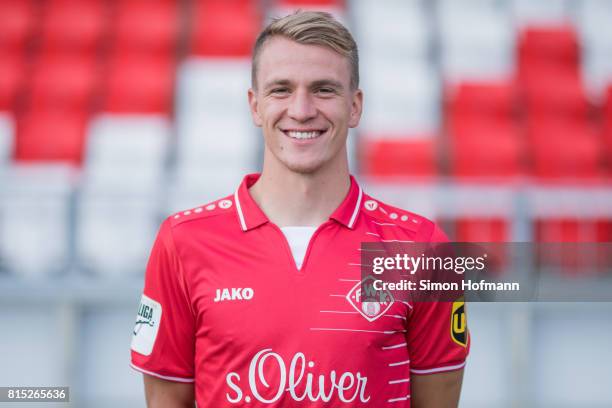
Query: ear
(253,105)
(356,108)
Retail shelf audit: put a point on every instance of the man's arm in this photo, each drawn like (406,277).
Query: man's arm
(168,394)
(436,390)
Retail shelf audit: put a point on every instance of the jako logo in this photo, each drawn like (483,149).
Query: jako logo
(235,294)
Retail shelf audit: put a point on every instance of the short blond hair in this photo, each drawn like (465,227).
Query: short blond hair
(312,28)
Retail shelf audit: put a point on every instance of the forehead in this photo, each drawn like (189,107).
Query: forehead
(284,59)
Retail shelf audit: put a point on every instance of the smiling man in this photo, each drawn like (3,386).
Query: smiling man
(254,299)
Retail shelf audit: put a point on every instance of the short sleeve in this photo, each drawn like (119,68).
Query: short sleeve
(163,339)
(438,338)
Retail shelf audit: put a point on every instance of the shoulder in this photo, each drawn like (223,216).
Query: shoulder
(381,214)
(209,213)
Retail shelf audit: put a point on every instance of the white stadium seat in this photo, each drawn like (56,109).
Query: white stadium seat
(541,12)
(401,98)
(476,43)
(195,185)
(202,138)
(213,119)
(34,218)
(214,86)
(400,30)
(7,137)
(114,232)
(127,151)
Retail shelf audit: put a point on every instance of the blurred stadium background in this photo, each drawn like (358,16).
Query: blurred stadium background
(493,117)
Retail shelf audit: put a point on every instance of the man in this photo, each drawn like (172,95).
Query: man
(255,297)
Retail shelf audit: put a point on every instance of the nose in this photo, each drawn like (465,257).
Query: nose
(301,106)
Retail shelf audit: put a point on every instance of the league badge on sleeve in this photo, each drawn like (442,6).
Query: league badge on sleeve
(146,326)
(458,323)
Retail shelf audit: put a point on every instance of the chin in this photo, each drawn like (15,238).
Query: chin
(304,167)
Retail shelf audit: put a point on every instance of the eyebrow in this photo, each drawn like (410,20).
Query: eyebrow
(315,84)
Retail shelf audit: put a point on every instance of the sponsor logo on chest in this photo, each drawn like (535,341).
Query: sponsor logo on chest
(226,294)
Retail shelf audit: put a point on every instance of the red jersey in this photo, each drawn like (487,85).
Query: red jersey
(224,305)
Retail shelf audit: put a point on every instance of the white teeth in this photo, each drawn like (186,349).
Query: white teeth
(303,135)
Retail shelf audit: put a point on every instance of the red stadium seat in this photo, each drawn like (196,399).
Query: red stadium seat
(64,83)
(74,26)
(478,99)
(140,84)
(557,45)
(554,91)
(607,126)
(146,26)
(492,229)
(50,136)
(608,103)
(487,149)
(563,149)
(569,259)
(397,157)
(573,230)
(11,80)
(17,20)
(224,28)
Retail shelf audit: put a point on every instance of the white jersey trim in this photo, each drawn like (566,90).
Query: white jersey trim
(356,210)
(239,208)
(438,369)
(163,377)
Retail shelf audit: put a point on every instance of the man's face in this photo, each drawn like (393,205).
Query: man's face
(304,104)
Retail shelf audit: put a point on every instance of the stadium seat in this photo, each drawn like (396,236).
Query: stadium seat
(74,27)
(470,229)
(11,80)
(115,232)
(212,110)
(213,86)
(477,41)
(396,156)
(573,260)
(139,84)
(64,83)
(142,26)
(17,19)
(482,99)
(597,73)
(487,149)
(194,184)
(565,149)
(34,218)
(608,102)
(235,141)
(400,30)
(573,230)
(50,136)
(554,91)
(402,98)
(607,127)
(593,19)
(7,138)
(553,45)
(224,28)
(126,152)
(541,12)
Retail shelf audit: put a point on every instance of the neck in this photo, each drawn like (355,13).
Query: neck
(289,198)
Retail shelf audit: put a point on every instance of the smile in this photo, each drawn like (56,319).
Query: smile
(303,135)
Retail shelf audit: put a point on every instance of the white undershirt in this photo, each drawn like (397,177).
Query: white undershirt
(298,239)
